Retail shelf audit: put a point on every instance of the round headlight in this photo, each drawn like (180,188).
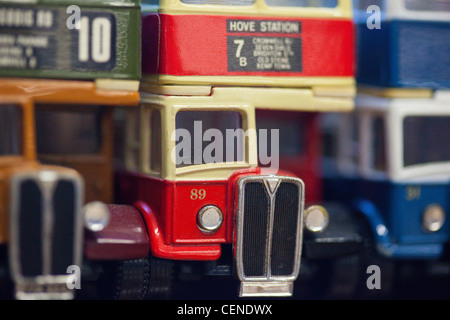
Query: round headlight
(96,216)
(433,218)
(209,219)
(316,218)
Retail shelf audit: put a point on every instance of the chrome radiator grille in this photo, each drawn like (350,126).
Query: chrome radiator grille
(269,228)
(46,228)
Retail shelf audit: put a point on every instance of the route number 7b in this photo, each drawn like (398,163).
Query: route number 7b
(242,60)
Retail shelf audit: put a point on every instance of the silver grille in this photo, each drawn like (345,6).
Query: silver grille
(269,234)
(45,232)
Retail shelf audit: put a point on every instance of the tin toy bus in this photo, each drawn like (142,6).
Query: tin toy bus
(41,205)
(391,166)
(63,66)
(208,67)
(391,169)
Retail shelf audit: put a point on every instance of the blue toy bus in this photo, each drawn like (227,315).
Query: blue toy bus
(391,169)
(398,176)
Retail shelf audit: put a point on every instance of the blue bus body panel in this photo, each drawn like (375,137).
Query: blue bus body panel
(399,208)
(407,212)
(413,54)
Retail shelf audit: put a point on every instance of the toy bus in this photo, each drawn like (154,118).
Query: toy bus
(64,65)
(207,67)
(389,166)
(41,205)
(391,170)
(409,46)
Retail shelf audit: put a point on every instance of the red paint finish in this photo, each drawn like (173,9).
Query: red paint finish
(162,250)
(132,187)
(193,196)
(196,45)
(125,237)
(170,212)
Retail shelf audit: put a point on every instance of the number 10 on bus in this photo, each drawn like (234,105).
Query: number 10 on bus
(94,41)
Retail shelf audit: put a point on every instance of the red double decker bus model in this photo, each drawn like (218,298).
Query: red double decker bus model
(192,159)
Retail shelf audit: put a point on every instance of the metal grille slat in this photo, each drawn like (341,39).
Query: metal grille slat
(256,220)
(284,239)
(30,228)
(63,231)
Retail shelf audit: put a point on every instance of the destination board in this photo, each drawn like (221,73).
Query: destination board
(61,42)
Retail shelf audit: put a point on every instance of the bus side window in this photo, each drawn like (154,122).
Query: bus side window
(291,131)
(132,139)
(303,3)
(119,137)
(353,147)
(340,142)
(363,5)
(155,141)
(330,134)
(10,130)
(379,144)
(429,5)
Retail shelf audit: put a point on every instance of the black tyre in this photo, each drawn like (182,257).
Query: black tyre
(158,284)
(124,280)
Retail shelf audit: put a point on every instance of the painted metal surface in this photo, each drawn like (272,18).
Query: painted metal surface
(42,40)
(309,48)
(125,237)
(170,211)
(405,53)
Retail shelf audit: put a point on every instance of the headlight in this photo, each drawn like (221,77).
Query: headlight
(433,218)
(316,218)
(96,216)
(209,219)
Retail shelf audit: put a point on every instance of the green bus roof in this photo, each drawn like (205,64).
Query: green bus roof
(39,39)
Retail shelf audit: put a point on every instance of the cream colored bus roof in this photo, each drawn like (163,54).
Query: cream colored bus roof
(259,7)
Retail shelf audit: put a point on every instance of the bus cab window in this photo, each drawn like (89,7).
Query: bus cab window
(61,132)
(423,140)
(212,125)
